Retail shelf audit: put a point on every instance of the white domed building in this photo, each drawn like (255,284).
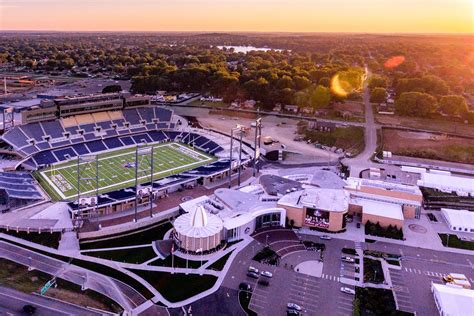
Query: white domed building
(198,230)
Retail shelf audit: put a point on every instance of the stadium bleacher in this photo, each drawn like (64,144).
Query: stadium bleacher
(19,185)
(114,134)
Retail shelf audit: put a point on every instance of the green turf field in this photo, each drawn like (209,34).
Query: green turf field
(116,170)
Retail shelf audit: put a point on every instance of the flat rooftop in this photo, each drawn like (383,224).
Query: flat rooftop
(332,200)
(382,209)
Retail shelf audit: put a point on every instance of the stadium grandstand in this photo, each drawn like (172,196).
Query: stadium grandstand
(112,127)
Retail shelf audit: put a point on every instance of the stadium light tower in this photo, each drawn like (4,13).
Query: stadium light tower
(142,152)
(235,129)
(258,136)
(87,173)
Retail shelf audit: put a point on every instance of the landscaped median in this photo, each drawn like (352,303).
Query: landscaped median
(453,241)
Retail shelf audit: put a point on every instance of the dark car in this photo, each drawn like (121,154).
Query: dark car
(29,309)
(252,275)
(292,312)
(245,287)
(263,282)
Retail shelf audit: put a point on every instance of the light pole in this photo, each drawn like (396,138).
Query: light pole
(237,129)
(240,155)
(258,134)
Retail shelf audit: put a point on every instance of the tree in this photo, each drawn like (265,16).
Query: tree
(453,105)
(378,95)
(112,88)
(320,97)
(416,104)
(377,82)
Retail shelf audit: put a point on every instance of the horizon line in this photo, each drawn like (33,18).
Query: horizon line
(237,32)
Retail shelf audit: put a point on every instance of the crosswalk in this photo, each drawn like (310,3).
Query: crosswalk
(330,277)
(427,273)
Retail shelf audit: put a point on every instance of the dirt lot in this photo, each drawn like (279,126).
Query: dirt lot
(280,129)
(355,108)
(444,126)
(430,146)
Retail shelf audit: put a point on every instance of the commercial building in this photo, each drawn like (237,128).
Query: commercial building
(235,213)
(408,197)
(446,182)
(386,214)
(198,231)
(452,300)
(317,208)
(459,220)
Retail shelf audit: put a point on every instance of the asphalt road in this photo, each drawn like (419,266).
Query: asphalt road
(121,293)
(12,302)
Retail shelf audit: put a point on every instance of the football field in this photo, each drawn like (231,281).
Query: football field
(116,169)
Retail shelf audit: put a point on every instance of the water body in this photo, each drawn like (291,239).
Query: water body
(246,49)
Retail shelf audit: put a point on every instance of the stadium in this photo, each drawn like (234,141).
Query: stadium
(109,152)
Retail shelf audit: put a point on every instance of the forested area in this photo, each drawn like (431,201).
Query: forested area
(429,75)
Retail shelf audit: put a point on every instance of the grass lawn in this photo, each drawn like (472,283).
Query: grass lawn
(116,169)
(177,262)
(208,103)
(17,276)
(455,242)
(373,272)
(177,287)
(45,239)
(132,255)
(370,301)
(141,237)
(267,255)
(351,139)
(244,301)
(219,264)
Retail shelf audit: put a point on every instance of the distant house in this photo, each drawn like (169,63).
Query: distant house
(291,108)
(324,126)
(307,110)
(249,104)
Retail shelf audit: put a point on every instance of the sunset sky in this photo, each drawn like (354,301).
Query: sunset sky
(407,16)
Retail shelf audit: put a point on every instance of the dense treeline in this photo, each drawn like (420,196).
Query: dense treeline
(432,73)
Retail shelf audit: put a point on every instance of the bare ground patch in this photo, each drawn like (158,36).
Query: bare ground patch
(430,146)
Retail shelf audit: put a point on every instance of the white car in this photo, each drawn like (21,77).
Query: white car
(293,306)
(348,290)
(266,274)
(253,269)
(326,237)
(348,259)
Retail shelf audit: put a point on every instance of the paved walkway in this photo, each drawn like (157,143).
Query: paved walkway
(311,267)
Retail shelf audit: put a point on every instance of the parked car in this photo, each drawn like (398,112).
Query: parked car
(252,275)
(266,274)
(348,259)
(348,290)
(253,269)
(293,306)
(245,287)
(326,237)
(292,312)
(263,282)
